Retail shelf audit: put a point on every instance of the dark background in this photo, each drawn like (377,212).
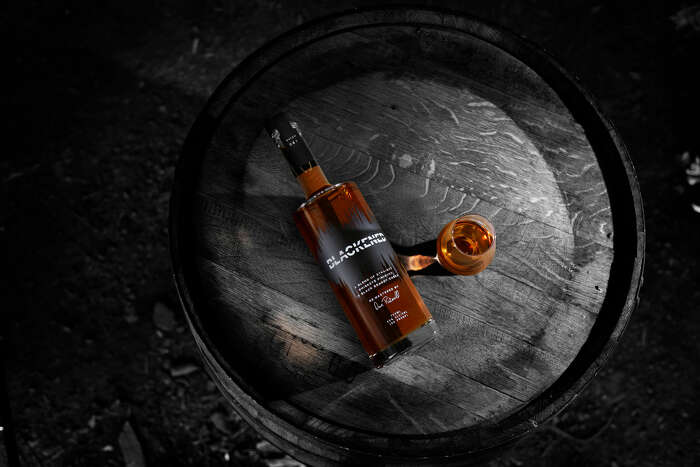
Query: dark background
(99,97)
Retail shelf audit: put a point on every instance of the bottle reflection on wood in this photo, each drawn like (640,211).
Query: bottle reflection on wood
(366,275)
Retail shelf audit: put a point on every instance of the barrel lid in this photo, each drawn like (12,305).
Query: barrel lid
(432,114)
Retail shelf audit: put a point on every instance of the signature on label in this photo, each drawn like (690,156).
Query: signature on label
(386,299)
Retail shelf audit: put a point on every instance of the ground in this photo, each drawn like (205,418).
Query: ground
(100,364)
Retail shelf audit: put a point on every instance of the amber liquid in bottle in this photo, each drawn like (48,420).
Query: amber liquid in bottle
(367,277)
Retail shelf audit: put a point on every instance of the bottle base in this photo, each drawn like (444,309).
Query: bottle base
(406,344)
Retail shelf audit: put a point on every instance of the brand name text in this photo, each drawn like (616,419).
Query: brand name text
(352,248)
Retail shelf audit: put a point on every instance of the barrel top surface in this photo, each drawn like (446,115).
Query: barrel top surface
(432,115)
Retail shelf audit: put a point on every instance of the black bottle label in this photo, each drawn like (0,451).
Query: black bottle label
(358,256)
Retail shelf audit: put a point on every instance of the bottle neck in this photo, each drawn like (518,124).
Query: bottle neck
(287,136)
(312,181)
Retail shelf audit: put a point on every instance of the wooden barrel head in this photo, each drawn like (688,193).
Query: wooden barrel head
(433,115)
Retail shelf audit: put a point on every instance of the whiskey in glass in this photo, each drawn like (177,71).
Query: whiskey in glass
(466,245)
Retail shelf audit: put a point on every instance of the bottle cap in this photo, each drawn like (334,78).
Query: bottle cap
(285,133)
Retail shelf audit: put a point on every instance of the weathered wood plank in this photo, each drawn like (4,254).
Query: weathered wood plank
(557,327)
(554,134)
(294,337)
(549,254)
(257,224)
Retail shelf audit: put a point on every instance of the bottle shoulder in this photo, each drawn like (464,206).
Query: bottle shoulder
(326,192)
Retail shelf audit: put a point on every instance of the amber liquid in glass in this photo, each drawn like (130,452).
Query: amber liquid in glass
(470,238)
(466,245)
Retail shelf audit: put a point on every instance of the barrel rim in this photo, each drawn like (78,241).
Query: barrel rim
(611,155)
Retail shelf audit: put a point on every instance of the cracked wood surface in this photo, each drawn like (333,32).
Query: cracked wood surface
(430,124)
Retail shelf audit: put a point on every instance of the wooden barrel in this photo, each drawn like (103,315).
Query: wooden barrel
(432,114)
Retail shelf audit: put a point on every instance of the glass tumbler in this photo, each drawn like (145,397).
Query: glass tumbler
(466,245)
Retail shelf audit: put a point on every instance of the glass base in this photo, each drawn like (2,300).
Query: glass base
(406,344)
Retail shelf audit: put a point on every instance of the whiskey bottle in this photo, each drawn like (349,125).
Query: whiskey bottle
(367,277)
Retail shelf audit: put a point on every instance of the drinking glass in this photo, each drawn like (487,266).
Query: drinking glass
(465,246)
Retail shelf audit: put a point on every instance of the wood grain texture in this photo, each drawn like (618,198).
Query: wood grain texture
(431,122)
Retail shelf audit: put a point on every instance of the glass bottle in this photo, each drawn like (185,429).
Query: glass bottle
(367,277)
